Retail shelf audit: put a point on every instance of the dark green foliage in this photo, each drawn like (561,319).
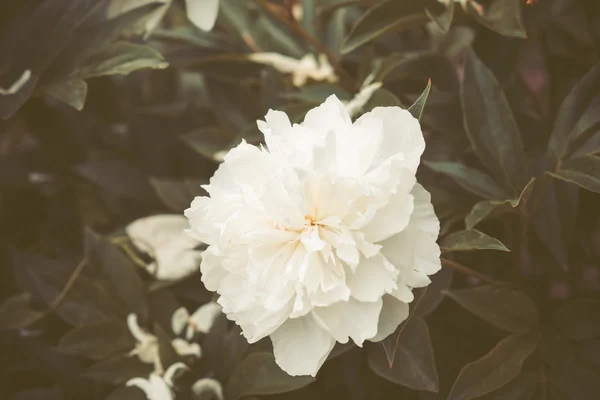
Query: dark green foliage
(96,132)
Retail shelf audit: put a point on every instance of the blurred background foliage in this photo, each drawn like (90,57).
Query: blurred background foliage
(105,121)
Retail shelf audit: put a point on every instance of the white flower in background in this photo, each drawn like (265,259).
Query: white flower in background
(185,348)
(355,106)
(146,348)
(202,13)
(16,85)
(163,238)
(157,386)
(207,386)
(320,236)
(200,321)
(306,68)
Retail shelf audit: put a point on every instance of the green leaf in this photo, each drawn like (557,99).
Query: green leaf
(416,109)
(583,171)
(414,365)
(44,32)
(88,39)
(554,220)
(385,17)
(508,309)
(521,388)
(121,58)
(502,16)
(98,340)
(577,115)
(123,273)
(434,294)
(477,182)
(579,319)
(469,240)
(488,208)
(258,29)
(84,302)
(382,98)
(494,370)
(574,382)
(491,126)
(72,92)
(443,19)
(16,312)
(258,374)
(119,178)
(316,93)
(177,195)
(117,369)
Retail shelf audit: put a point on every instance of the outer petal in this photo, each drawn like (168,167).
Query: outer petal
(301,346)
(414,251)
(350,318)
(401,135)
(390,219)
(392,314)
(373,278)
(155,233)
(203,13)
(329,116)
(212,272)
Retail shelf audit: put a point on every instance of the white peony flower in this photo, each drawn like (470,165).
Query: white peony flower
(164,239)
(202,13)
(308,67)
(158,386)
(208,385)
(200,321)
(320,236)
(146,348)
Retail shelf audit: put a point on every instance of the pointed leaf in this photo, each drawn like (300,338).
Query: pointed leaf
(579,319)
(488,208)
(574,382)
(72,92)
(121,58)
(577,113)
(97,341)
(554,220)
(508,309)
(414,366)
(434,294)
(123,273)
(494,370)
(417,108)
(258,374)
(117,369)
(443,19)
(469,240)
(522,388)
(16,312)
(385,17)
(491,126)
(177,195)
(471,179)
(502,16)
(583,171)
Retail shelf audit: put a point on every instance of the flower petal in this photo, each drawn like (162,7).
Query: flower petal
(350,319)
(414,251)
(301,346)
(202,13)
(401,135)
(392,314)
(208,385)
(212,272)
(204,317)
(179,320)
(372,278)
(390,219)
(184,348)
